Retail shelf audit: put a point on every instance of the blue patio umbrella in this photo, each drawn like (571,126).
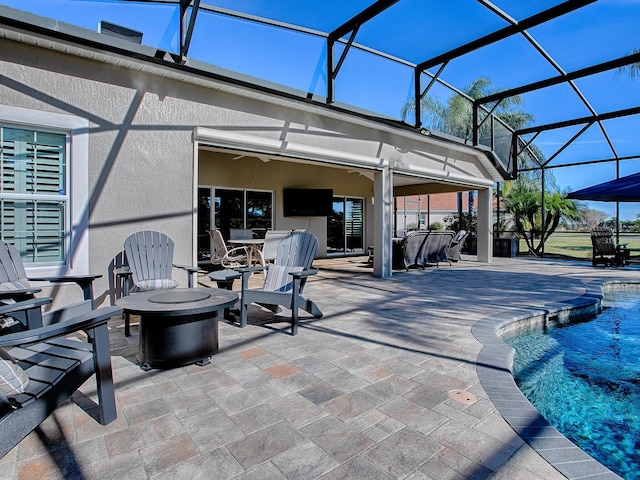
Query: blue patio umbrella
(624,189)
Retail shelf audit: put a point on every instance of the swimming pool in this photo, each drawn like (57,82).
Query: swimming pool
(584,378)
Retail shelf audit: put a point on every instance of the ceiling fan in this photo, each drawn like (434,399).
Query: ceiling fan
(261,157)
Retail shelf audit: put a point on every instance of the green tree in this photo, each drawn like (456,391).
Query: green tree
(468,223)
(523,197)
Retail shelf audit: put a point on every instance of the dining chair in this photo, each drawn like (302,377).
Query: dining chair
(270,248)
(240,233)
(455,246)
(224,257)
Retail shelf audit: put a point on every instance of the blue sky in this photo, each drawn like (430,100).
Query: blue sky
(414,30)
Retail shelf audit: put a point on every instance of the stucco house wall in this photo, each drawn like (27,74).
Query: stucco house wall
(142,153)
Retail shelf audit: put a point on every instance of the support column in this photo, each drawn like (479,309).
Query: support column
(382,222)
(485,233)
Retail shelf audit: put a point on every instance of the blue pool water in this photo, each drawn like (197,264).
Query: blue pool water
(584,378)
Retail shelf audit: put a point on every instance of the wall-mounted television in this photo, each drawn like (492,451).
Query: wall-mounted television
(307,202)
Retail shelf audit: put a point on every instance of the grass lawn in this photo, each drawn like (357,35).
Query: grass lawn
(578,245)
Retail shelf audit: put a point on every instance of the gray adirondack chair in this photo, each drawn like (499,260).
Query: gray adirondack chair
(285,279)
(149,265)
(55,367)
(605,250)
(16,286)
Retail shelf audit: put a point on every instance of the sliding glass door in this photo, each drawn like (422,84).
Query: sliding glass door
(204,224)
(225,209)
(345,226)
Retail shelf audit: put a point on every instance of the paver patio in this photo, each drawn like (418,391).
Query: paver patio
(366,392)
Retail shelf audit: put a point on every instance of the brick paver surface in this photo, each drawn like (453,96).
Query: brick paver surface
(369,391)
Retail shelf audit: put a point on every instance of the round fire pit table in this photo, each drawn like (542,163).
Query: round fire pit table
(177,327)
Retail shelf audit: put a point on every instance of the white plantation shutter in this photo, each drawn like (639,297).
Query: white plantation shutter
(33,197)
(354,223)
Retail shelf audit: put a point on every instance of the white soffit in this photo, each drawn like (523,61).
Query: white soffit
(279,148)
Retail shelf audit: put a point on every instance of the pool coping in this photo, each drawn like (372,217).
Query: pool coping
(494,368)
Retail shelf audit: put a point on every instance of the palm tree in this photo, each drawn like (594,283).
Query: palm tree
(523,200)
(524,203)
(455,116)
(633,69)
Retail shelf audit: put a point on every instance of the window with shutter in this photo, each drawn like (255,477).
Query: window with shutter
(345,227)
(34,199)
(354,224)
